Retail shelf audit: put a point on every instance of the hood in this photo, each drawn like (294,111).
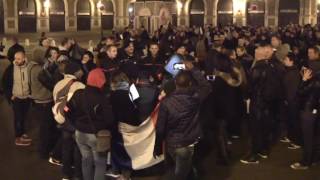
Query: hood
(38,55)
(96,78)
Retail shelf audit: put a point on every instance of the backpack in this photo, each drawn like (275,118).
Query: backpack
(59,107)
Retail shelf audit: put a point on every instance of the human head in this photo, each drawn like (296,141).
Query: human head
(96,78)
(112,51)
(154,48)
(110,40)
(86,57)
(72,68)
(54,53)
(183,80)
(66,43)
(240,51)
(45,43)
(313,53)
(19,58)
(119,78)
(129,48)
(289,60)
(181,50)
(275,41)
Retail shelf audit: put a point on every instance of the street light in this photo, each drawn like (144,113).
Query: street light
(130,17)
(46,4)
(100,6)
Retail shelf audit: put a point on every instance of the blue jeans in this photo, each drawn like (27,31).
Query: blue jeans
(182,158)
(93,163)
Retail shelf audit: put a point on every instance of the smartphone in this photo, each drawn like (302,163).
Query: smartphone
(211,77)
(179,66)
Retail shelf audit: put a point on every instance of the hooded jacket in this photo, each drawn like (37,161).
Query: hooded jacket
(39,93)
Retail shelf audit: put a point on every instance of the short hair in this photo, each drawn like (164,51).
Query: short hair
(315,49)
(183,79)
(118,77)
(153,43)
(277,36)
(292,58)
(110,46)
(241,48)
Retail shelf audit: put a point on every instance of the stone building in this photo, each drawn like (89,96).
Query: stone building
(84,15)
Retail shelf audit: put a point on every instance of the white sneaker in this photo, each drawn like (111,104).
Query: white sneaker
(112,173)
(294,146)
(285,140)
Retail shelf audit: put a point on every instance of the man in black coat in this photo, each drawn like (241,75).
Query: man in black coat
(264,90)
(178,121)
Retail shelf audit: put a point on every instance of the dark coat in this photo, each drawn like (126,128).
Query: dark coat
(91,102)
(147,101)
(7,82)
(292,80)
(178,120)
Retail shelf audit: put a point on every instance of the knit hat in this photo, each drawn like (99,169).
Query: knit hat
(282,51)
(96,78)
(71,68)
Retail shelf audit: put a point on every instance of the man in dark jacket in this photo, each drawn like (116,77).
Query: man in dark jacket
(16,47)
(178,121)
(264,88)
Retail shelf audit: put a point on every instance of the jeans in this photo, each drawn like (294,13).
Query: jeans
(93,163)
(70,156)
(48,132)
(182,158)
(310,129)
(20,110)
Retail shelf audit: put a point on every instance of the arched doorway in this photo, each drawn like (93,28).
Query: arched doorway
(197,13)
(144,18)
(224,12)
(27,16)
(83,15)
(255,12)
(57,17)
(288,12)
(1,17)
(107,15)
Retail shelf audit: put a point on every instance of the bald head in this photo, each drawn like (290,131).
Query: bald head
(19,58)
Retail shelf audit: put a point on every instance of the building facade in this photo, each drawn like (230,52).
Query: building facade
(84,15)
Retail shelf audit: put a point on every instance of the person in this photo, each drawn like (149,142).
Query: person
(70,152)
(178,124)
(309,92)
(109,61)
(43,102)
(264,88)
(129,60)
(16,47)
(292,80)
(65,48)
(120,101)
(87,64)
(17,91)
(91,112)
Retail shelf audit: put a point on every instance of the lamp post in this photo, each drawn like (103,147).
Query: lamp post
(100,6)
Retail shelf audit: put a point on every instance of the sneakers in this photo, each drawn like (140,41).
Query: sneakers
(299,166)
(112,173)
(285,140)
(250,159)
(55,161)
(263,155)
(293,146)
(21,142)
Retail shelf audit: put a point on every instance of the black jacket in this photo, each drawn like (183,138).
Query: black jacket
(147,101)
(124,109)
(292,80)
(7,82)
(13,49)
(90,102)
(309,92)
(178,120)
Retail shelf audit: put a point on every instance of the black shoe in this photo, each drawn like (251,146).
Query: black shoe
(250,159)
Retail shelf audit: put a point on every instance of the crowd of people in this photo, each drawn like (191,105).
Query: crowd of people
(162,97)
